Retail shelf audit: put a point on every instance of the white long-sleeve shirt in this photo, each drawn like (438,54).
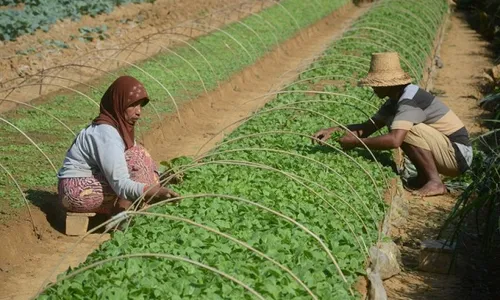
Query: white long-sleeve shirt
(100,148)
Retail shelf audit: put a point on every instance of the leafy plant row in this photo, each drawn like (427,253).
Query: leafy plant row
(267,214)
(175,75)
(41,14)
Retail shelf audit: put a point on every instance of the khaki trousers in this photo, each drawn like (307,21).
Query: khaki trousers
(425,137)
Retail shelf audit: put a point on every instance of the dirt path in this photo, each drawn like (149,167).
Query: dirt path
(464,55)
(26,262)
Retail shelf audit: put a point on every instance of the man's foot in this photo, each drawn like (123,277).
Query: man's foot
(414,183)
(431,188)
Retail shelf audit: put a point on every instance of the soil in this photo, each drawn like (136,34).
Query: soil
(134,33)
(27,261)
(465,55)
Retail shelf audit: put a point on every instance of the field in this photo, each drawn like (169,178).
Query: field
(265,214)
(171,77)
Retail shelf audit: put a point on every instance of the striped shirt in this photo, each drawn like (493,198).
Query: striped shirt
(419,106)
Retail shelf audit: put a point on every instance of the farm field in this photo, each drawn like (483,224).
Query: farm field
(30,267)
(264,213)
(105,42)
(268,148)
(175,76)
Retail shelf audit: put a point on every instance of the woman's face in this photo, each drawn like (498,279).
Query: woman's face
(133,112)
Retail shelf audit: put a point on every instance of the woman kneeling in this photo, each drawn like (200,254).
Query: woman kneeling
(105,170)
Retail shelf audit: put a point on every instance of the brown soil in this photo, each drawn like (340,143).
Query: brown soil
(135,32)
(464,55)
(26,261)
(203,121)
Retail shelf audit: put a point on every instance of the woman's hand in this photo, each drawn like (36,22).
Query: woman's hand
(324,134)
(158,193)
(170,194)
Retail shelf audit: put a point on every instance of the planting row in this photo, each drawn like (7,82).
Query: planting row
(267,214)
(34,141)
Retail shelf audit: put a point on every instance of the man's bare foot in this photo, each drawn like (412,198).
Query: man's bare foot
(431,188)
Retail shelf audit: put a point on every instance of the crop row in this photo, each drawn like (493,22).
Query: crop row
(175,75)
(266,214)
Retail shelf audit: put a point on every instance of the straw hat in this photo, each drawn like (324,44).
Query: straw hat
(385,70)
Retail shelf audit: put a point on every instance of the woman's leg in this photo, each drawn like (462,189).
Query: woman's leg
(93,194)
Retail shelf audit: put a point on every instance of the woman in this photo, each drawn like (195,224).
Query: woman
(105,170)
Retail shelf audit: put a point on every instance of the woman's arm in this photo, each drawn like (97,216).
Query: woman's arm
(108,151)
(158,192)
(152,194)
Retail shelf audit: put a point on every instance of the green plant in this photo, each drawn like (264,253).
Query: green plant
(26,51)
(480,200)
(171,170)
(492,103)
(56,43)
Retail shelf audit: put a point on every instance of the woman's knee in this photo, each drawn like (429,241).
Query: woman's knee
(137,153)
(141,166)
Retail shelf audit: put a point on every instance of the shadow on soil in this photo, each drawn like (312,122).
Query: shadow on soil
(55,214)
(49,205)
(484,26)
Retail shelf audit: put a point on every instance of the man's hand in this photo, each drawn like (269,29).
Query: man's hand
(348,142)
(324,134)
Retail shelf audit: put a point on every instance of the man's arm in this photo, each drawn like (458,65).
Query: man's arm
(407,114)
(392,140)
(367,128)
(361,130)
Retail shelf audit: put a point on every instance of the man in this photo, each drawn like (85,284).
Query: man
(432,137)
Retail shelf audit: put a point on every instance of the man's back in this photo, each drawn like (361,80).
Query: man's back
(419,106)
